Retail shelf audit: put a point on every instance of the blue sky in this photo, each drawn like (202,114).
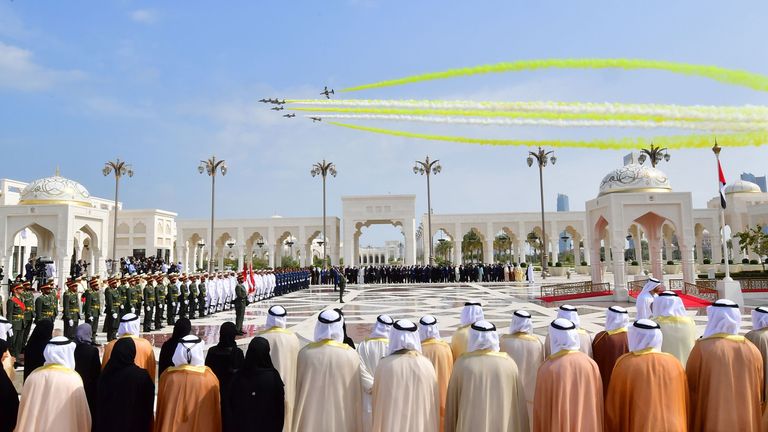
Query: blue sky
(165,84)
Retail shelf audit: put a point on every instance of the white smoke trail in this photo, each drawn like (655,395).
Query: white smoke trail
(747,113)
(701,126)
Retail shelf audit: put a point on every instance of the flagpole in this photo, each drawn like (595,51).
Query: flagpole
(716,149)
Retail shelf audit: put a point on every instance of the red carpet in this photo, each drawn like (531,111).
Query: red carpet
(556,298)
(689,301)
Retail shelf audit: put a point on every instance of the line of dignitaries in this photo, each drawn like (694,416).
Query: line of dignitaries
(405,378)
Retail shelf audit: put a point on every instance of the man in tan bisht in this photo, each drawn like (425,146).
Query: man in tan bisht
(611,343)
(188,397)
(145,354)
(648,390)
(677,327)
(759,337)
(330,381)
(284,351)
(485,393)
(526,349)
(725,375)
(405,385)
(569,393)
(53,397)
(471,313)
(371,351)
(438,352)
(572,314)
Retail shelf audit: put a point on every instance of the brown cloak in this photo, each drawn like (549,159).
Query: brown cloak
(607,347)
(145,355)
(188,399)
(438,352)
(569,394)
(528,353)
(654,381)
(725,380)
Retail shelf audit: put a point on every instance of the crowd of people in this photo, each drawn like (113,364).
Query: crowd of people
(390,274)
(648,374)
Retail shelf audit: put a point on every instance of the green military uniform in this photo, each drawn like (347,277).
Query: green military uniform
(92,310)
(125,299)
(29,313)
(45,307)
(14,309)
(136,297)
(149,306)
(160,293)
(193,293)
(342,285)
(170,302)
(240,301)
(184,300)
(112,311)
(202,293)
(71,315)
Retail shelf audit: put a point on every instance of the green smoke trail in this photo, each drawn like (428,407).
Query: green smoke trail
(729,76)
(673,142)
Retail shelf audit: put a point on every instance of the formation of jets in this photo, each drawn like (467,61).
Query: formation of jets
(326,92)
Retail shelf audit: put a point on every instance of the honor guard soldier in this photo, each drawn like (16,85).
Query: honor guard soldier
(184,297)
(241,301)
(201,296)
(92,307)
(14,309)
(160,293)
(149,304)
(193,293)
(71,310)
(45,304)
(136,298)
(171,300)
(112,309)
(125,297)
(28,296)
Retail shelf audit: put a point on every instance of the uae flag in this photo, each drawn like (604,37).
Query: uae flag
(722,184)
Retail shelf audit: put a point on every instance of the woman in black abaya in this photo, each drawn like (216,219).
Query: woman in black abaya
(257,384)
(182,328)
(9,399)
(126,393)
(33,352)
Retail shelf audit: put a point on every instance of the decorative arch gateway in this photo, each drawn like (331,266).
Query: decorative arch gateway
(60,229)
(654,215)
(249,238)
(363,211)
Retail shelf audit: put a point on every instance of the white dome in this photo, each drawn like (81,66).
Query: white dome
(55,190)
(742,186)
(635,178)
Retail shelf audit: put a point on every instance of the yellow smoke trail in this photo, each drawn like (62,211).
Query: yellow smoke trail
(673,142)
(729,76)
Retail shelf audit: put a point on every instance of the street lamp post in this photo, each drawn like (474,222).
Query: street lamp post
(427,167)
(120,168)
(655,155)
(324,168)
(210,166)
(542,157)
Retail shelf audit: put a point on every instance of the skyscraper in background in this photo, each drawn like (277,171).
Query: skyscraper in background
(563,206)
(760,181)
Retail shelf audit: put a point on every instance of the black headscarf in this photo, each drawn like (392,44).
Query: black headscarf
(9,399)
(257,384)
(87,364)
(225,358)
(126,393)
(347,340)
(183,327)
(33,352)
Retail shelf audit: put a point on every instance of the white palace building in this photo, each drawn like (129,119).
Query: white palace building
(635,209)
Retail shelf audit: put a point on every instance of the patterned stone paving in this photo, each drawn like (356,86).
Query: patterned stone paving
(364,303)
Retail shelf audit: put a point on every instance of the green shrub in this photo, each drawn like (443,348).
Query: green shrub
(707,261)
(670,262)
(523,265)
(754,261)
(745,260)
(584,263)
(635,263)
(558,264)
